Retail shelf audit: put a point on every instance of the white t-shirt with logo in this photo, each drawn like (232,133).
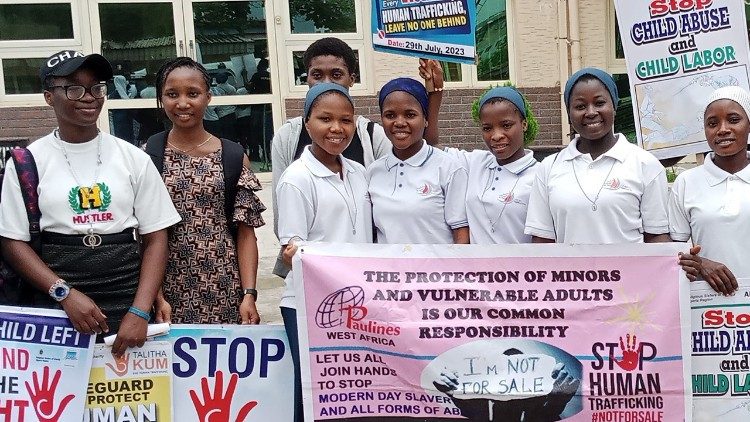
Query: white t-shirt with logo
(125,192)
(613,199)
(419,200)
(711,206)
(497,197)
(317,205)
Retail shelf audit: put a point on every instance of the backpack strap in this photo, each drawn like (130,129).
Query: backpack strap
(28,179)
(370,131)
(155,145)
(232,159)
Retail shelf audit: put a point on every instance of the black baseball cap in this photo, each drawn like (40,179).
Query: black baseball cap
(67,62)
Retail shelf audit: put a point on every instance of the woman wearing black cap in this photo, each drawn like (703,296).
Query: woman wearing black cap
(96,193)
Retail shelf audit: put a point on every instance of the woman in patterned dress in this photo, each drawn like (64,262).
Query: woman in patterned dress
(211,273)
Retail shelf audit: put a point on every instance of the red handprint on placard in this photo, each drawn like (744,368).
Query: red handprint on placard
(217,408)
(43,396)
(121,365)
(630,352)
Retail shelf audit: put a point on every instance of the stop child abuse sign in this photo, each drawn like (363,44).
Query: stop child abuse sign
(511,332)
(677,53)
(435,29)
(721,353)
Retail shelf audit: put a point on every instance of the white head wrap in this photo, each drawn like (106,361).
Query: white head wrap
(735,93)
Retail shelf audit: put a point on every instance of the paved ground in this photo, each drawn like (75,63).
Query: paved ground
(270,286)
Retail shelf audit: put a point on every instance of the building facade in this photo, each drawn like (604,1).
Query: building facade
(253,50)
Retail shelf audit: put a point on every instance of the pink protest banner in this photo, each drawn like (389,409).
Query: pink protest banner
(501,333)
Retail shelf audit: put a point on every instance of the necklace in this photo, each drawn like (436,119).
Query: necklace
(505,203)
(596,198)
(502,210)
(91,239)
(353,219)
(185,151)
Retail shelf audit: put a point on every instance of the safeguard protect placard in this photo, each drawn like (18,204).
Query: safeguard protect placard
(677,53)
(435,29)
(44,366)
(510,332)
(134,387)
(721,353)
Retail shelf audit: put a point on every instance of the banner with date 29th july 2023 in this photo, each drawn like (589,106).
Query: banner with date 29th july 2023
(494,333)
(677,52)
(434,29)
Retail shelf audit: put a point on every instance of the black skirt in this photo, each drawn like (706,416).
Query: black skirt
(108,273)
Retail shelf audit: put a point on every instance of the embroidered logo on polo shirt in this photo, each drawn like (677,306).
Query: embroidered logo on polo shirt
(424,190)
(615,184)
(95,200)
(506,198)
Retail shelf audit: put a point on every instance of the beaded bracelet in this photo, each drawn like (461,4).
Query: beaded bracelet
(137,312)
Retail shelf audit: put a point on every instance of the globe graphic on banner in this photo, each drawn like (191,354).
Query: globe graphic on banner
(332,310)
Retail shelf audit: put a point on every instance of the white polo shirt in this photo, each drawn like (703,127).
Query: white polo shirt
(419,200)
(712,206)
(315,204)
(632,196)
(497,197)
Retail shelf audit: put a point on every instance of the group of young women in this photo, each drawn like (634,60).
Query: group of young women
(196,229)
(600,189)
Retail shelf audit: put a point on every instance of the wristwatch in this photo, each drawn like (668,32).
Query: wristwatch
(250,292)
(59,290)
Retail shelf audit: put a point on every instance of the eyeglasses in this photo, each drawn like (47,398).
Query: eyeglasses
(76,92)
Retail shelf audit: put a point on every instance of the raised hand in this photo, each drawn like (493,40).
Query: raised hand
(432,73)
(43,396)
(630,353)
(218,407)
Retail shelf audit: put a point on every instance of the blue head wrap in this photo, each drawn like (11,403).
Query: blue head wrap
(604,77)
(319,89)
(408,85)
(506,93)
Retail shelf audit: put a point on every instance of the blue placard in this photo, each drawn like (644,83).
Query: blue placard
(435,29)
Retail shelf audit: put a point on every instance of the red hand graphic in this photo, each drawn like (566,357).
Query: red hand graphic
(43,396)
(630,354)
(121,365)
(217,408)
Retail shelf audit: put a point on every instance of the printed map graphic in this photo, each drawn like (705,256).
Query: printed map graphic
(671,111)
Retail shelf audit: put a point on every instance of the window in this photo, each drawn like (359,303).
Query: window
(21,76)
(492,41)
(30,31)
(309,20)
(619,50)
(44,21)
(322,16)
(615,51)
(624,119)
(492,48)
(137,38)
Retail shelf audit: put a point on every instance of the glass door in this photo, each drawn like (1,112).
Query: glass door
(136,37)
(230,38)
